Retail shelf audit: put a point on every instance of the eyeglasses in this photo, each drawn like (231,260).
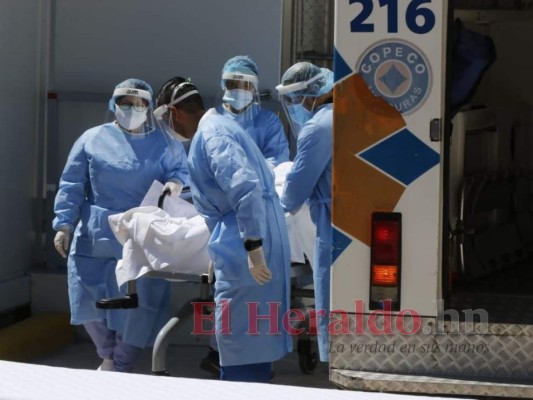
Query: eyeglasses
(140,107)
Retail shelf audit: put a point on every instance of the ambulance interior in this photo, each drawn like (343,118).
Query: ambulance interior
(489,260)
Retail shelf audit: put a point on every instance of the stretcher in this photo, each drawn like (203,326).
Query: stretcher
(306,346)
(35,382)
(165,238)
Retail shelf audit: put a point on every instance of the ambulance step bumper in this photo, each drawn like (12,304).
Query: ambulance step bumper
(396,383)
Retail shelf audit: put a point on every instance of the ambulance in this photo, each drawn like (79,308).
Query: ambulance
(432,203)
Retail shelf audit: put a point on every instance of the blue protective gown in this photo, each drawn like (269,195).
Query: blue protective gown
(265,128)
(109,171)
(233,188)
(310,178)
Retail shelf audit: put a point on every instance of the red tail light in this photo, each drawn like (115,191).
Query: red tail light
(385,260)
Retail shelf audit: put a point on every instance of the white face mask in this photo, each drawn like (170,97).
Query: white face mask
(238,98)
(130,119)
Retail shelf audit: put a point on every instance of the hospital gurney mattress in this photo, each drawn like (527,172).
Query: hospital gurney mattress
(35,382)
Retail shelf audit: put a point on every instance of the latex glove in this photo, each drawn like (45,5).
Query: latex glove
(258,266)
(62,241)
(174,187)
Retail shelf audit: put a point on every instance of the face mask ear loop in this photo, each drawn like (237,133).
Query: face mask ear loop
(304,98)
(314,104)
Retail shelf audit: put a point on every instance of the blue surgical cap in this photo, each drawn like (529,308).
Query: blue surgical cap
(242,64)
(305,71)
(131,83)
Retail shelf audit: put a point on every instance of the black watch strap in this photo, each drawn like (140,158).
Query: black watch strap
(250,245)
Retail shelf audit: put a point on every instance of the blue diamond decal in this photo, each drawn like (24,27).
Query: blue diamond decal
(393,78)
(340,67)
(339,243)
(403,156)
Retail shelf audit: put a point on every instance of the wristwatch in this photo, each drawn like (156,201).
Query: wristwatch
(250,245)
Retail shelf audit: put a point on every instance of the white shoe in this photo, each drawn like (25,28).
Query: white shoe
(107,365)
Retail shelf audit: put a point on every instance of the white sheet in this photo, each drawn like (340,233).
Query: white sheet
(174,239)
(36,382)
(302,231)
(154,241)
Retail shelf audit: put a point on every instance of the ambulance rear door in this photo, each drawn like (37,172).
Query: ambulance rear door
(389,63)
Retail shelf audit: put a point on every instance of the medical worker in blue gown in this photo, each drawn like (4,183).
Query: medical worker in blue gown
(306,93)
(108,171)
(241,103)
(233,188)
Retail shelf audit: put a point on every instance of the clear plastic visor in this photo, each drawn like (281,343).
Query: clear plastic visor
(163,118)
(136,119)
(297,112)
(239,93)
(238,97)
(292,98)
(297,86)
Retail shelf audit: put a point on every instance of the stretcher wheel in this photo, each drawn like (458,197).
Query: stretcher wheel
(307,355)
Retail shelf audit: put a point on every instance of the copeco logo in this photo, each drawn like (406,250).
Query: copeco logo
(132,92)
(397,71)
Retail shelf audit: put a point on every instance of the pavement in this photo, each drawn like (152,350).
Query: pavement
(184,361)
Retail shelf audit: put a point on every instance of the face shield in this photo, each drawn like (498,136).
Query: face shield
(240,92)
(297,103)
(130,109)
(163,113)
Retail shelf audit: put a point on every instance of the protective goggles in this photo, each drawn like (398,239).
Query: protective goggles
(160,111)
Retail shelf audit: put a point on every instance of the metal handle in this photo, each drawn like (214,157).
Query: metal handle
(265,94)
(162,196)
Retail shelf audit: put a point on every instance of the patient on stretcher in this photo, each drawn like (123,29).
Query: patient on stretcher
(174,239)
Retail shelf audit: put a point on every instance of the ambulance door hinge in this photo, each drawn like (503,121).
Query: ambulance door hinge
(435,130)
